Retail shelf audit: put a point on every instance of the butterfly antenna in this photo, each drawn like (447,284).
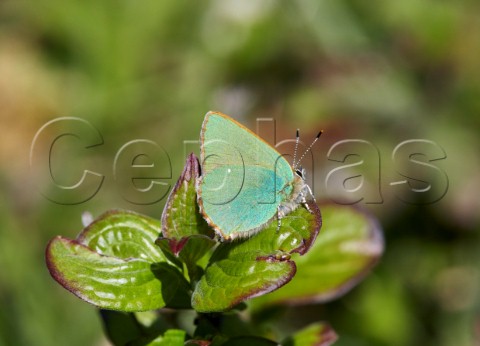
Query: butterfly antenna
(309,147)
(296,147)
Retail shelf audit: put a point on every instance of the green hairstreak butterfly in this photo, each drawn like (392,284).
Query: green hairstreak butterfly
(245,182)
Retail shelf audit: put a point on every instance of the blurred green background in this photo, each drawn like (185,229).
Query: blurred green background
(381,71)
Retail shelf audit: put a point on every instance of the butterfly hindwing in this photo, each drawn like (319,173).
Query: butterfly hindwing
(244,179)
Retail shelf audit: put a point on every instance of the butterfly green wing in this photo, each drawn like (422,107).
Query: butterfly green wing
(244,179)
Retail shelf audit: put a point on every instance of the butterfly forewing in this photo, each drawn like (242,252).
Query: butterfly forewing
(244,179)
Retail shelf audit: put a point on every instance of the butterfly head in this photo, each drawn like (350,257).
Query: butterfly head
(300,172)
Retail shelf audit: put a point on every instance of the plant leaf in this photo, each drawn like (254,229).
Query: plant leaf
(123,234)
(192,248)
(107,282)
(246,268)
(194,342)
(349,245)
(120,327)
(185,234)
(114,283)
(181,217)
(114,264)
(316,334)
(138,329)
(172,337)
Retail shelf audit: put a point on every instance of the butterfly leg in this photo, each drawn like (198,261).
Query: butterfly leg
(306,206)
(279,218)
(304,198)
(311,193)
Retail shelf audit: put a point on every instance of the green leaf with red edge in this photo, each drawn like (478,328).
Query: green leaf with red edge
(316,334)
(123,234)
(350,244)
(245,268)
(185,234)
(114,264)
(114,283)
(181,217)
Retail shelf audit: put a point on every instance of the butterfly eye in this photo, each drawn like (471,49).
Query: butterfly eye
(299,172)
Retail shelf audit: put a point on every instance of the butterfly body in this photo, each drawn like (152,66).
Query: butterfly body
(245,183)
(298,197)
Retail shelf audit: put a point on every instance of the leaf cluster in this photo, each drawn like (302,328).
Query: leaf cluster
(146,275)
